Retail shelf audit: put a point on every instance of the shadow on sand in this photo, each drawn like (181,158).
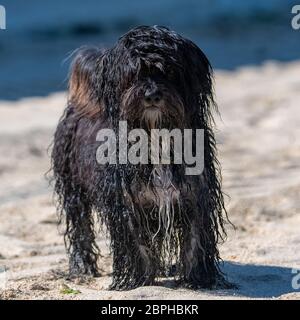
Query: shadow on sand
(259,281)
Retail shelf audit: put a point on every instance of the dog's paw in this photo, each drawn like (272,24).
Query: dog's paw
(122,285)
(77,271)
(218,284)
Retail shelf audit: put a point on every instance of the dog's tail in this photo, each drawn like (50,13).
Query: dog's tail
(62,155)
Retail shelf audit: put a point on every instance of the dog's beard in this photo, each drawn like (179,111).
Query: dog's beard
(152,118)
(169,115)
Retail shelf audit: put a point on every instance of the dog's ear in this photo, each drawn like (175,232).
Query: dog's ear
(197,67)
(83,91)
(198,76)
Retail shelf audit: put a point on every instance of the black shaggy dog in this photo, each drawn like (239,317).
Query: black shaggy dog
(158,218)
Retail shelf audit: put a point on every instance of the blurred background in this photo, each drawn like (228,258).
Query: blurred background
(41,34)
(256,56)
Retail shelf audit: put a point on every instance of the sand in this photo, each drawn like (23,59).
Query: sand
(259,149)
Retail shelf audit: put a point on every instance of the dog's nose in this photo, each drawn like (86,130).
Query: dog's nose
(152,97)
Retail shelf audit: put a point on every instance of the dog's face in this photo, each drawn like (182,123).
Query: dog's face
(152,77)
(153,98)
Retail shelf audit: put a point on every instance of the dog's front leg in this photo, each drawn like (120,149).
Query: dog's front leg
(199,256)
(134,262)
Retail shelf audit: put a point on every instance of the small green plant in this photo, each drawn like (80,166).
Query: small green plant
(67,290)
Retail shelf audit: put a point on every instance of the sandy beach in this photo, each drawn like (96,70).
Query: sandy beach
(259,150)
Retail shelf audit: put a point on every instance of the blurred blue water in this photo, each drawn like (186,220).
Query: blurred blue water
(41,34)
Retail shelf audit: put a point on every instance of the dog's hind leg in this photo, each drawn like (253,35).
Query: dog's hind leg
(80,235)
(73,205)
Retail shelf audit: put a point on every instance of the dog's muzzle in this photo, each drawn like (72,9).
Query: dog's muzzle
(153,98)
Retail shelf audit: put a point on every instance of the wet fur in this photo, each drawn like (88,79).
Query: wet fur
(156,216)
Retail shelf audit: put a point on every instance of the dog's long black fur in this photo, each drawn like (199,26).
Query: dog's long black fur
(156,216)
